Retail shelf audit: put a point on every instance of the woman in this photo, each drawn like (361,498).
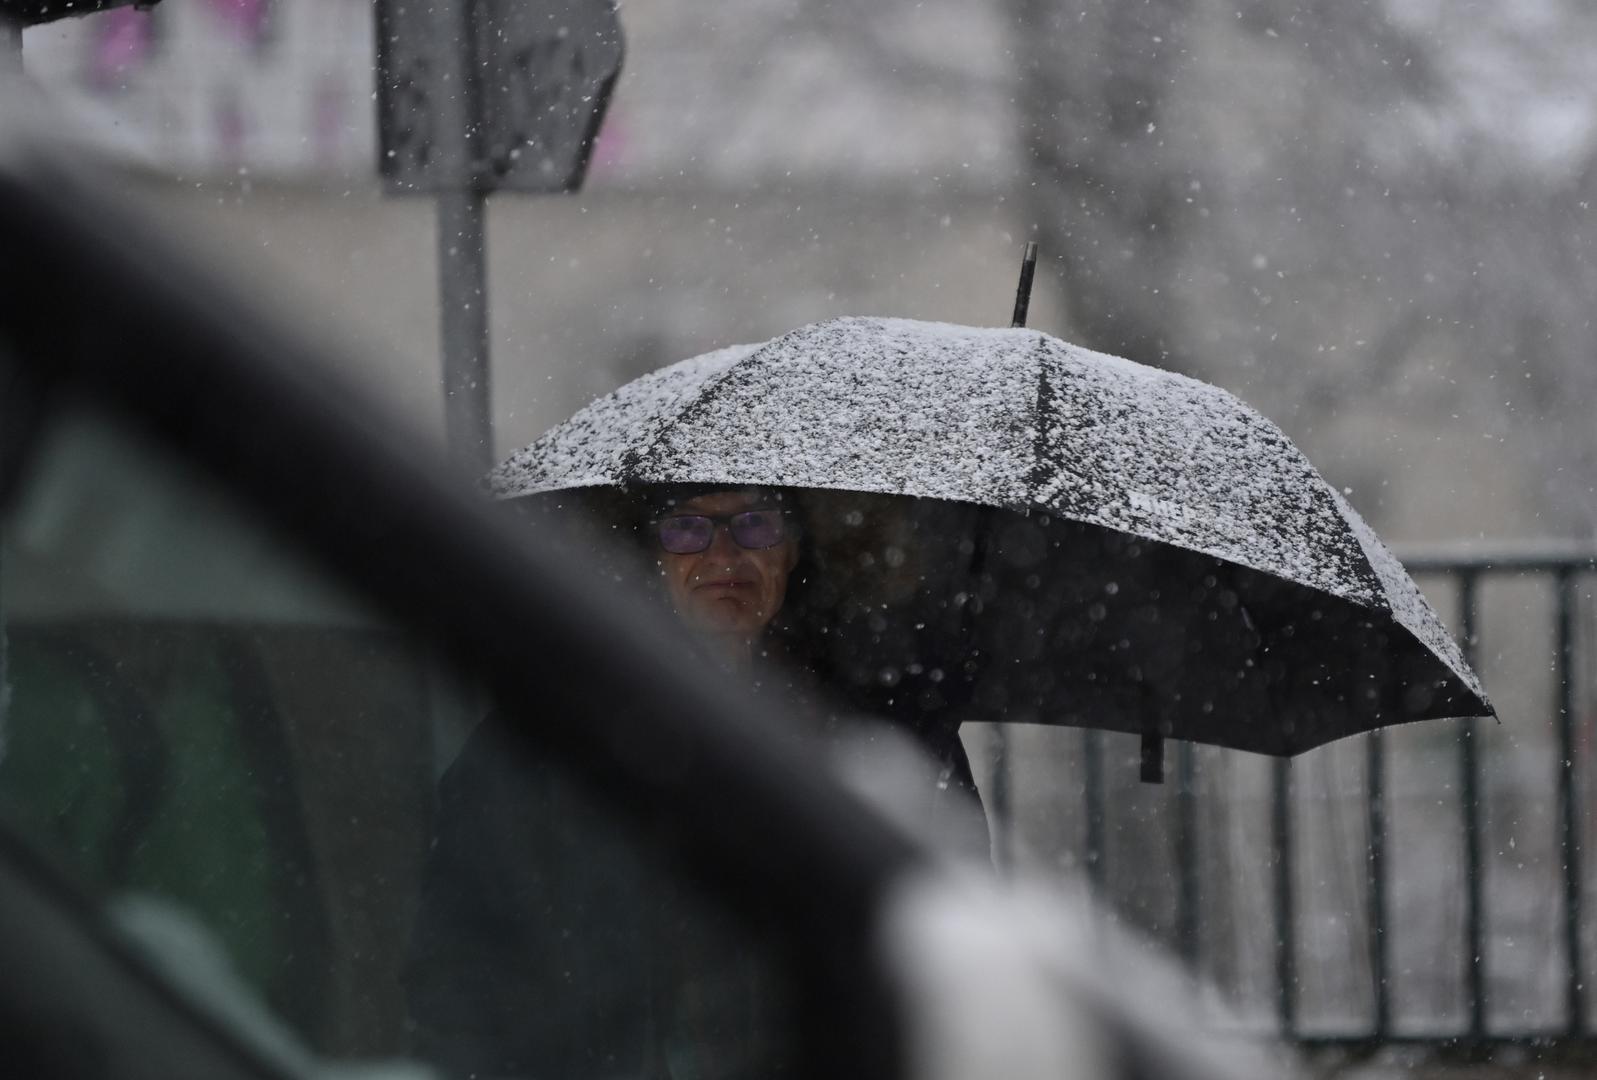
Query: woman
(725,558)
(736,574)
(551,939)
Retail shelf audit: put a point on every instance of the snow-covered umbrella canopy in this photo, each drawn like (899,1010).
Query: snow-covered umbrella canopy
(1167,560)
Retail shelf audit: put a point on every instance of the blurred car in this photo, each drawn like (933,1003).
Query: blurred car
(247,623)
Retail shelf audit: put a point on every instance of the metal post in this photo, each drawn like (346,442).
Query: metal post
(1574,991)
(10,45)
(1469,797)
(1003,811)
(1092,796)
(1286,962)
(1186,838)
(463,328)
(1380,948)
(462,250)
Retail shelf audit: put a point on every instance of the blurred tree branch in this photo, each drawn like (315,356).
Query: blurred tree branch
(1338,209)
(1107,187)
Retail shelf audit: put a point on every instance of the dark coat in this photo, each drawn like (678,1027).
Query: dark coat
(550,942)
(527,957)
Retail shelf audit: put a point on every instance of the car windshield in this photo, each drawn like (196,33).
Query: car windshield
(1172,420)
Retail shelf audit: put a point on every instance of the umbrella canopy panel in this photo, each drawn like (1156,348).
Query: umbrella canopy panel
(1169,642)
(1040,430)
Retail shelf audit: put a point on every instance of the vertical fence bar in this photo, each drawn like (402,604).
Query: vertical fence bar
(1469,799)
(1000,797)
(1286,960)
(1186,837)
(1380,945)
(1564,674)
(1092,795)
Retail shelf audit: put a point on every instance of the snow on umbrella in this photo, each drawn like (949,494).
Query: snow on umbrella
(1141,551)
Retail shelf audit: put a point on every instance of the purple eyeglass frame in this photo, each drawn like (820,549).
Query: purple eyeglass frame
(730,521)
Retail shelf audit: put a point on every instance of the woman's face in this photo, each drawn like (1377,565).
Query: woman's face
(727,588)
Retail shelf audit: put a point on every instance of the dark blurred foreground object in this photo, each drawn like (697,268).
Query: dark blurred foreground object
(1090,541)
(897,965)
(32,12)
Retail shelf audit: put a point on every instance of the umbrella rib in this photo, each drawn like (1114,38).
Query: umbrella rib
(1152,770)
(635,456)
(1038,478)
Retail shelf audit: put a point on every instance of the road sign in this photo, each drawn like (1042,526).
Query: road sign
(529,79)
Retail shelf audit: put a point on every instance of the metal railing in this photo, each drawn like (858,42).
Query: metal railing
(1465,570)
(1455,575)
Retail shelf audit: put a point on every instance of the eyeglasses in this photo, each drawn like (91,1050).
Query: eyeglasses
(689,534)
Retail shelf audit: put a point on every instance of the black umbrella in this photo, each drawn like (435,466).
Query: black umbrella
(1034,532)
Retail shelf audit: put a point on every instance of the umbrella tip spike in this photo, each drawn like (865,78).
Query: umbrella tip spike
(1028,267)
(1152,759)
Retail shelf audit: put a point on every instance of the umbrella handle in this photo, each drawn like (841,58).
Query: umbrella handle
(1152,758)
(1028,267)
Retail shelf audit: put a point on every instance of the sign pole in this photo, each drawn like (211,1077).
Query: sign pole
(463,327)
(476,96)
(462,255)
(10,44)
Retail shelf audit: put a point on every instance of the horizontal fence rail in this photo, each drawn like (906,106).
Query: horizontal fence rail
(1448,575)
